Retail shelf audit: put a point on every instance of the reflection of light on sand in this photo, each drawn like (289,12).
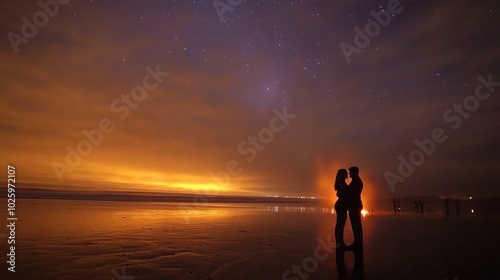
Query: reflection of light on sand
(364,212)
(203,214)
(108,217)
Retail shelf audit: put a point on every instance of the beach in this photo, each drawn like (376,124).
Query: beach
(80,239)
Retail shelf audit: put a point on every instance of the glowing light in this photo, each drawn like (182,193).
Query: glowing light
(470,197)
(364,212)
(159,181)
(472,211)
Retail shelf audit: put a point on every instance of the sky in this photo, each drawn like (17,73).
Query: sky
(252,97)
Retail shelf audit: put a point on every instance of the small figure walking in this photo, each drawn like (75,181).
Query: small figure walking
(447,207)
(417,207)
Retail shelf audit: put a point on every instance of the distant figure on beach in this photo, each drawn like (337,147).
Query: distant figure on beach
(457,205)
(421,207)
(447,207)
(341,206)
(398,204)
(395,206)
(355,206)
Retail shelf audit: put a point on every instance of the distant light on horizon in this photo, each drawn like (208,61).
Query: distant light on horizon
(296,196)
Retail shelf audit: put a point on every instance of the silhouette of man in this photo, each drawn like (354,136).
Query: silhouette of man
(355,207)
(457,205)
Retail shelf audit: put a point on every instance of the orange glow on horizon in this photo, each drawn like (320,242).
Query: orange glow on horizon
(143,180)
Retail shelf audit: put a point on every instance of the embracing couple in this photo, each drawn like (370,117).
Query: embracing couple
(349,201)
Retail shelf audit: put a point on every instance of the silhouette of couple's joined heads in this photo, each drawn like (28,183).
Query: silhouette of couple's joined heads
(342,173)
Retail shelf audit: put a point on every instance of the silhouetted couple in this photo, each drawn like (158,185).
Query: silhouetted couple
(349,201)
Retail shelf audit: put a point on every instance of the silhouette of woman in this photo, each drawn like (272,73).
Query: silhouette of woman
(341,207)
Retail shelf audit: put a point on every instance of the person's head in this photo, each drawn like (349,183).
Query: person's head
(341,176)
(353,171)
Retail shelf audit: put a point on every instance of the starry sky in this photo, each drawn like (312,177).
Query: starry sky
(212,118)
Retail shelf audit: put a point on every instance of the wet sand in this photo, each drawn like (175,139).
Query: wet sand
(69,239)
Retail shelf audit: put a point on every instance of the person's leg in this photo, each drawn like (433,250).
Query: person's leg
(339,237)
(357,229)
(339,226)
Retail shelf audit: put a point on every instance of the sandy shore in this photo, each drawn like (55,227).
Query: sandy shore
(61,239)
